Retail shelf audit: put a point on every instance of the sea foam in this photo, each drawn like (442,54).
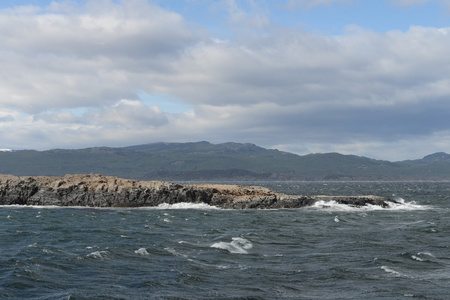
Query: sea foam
(185,205)
(181,205)
(141,251)
(390,271)
(97,254)
(401,204)
(237,245)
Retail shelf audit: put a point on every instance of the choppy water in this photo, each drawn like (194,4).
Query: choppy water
(324,252)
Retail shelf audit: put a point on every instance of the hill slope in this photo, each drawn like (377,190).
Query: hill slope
(206,161)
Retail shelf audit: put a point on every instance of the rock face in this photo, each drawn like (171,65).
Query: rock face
(105,191)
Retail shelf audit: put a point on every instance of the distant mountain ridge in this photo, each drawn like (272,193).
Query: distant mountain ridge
(227,161)
(436,157)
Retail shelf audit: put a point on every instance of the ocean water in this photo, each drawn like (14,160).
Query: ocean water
(327,251)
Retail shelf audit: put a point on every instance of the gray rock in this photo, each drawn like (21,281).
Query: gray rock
(106,191)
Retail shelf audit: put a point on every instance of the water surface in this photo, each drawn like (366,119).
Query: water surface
(328,251)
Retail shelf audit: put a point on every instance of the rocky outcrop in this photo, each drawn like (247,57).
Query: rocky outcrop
(105,191)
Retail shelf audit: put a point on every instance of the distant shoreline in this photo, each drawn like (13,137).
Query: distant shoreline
(203,161)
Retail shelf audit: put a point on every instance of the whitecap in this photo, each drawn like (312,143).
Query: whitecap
(417,258)
(426,253)
(237,245)
(97,254)
(336,219)
(181,205)
(423,256)
(273,255)
(185,205)
(141,251)
(30,206)
(401,205)
(389,270)
(332,205)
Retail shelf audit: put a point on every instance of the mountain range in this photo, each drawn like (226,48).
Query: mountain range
(211,162)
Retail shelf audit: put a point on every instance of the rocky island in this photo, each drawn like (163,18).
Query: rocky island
(94,190)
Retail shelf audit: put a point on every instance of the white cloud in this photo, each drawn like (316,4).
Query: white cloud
(6,118)
(59,117)
(87,56)
(362,69)
(361,90)
(414,147)
(130,114)
(126,122)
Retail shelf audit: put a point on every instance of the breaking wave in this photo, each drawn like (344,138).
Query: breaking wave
(401,205)
(185,205)
(237,245)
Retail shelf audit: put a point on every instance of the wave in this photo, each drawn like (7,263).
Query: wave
(98,255)
(237,245)
(390,271)
(184,205)
(141,251)
(181,205)
(401,205)
(321,204)
(32,206)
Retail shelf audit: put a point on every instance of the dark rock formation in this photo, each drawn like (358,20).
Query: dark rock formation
(105,191)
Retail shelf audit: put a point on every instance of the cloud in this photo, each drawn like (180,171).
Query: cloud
(72,76)
(130,114)
(57,117)
(6,118)
(85,56)
(362,86)
(412,147)
(125,122)
(100,29)
(363,69)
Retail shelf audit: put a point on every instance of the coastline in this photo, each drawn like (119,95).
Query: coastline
(95,190)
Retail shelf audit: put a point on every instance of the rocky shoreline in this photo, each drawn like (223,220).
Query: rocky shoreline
(94,190)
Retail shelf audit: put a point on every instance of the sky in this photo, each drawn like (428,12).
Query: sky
(362,77)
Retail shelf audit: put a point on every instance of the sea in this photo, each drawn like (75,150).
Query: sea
(195,251)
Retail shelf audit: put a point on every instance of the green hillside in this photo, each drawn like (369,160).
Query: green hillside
(206,161)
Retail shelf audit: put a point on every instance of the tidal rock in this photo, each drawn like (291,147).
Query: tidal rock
(106,191)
